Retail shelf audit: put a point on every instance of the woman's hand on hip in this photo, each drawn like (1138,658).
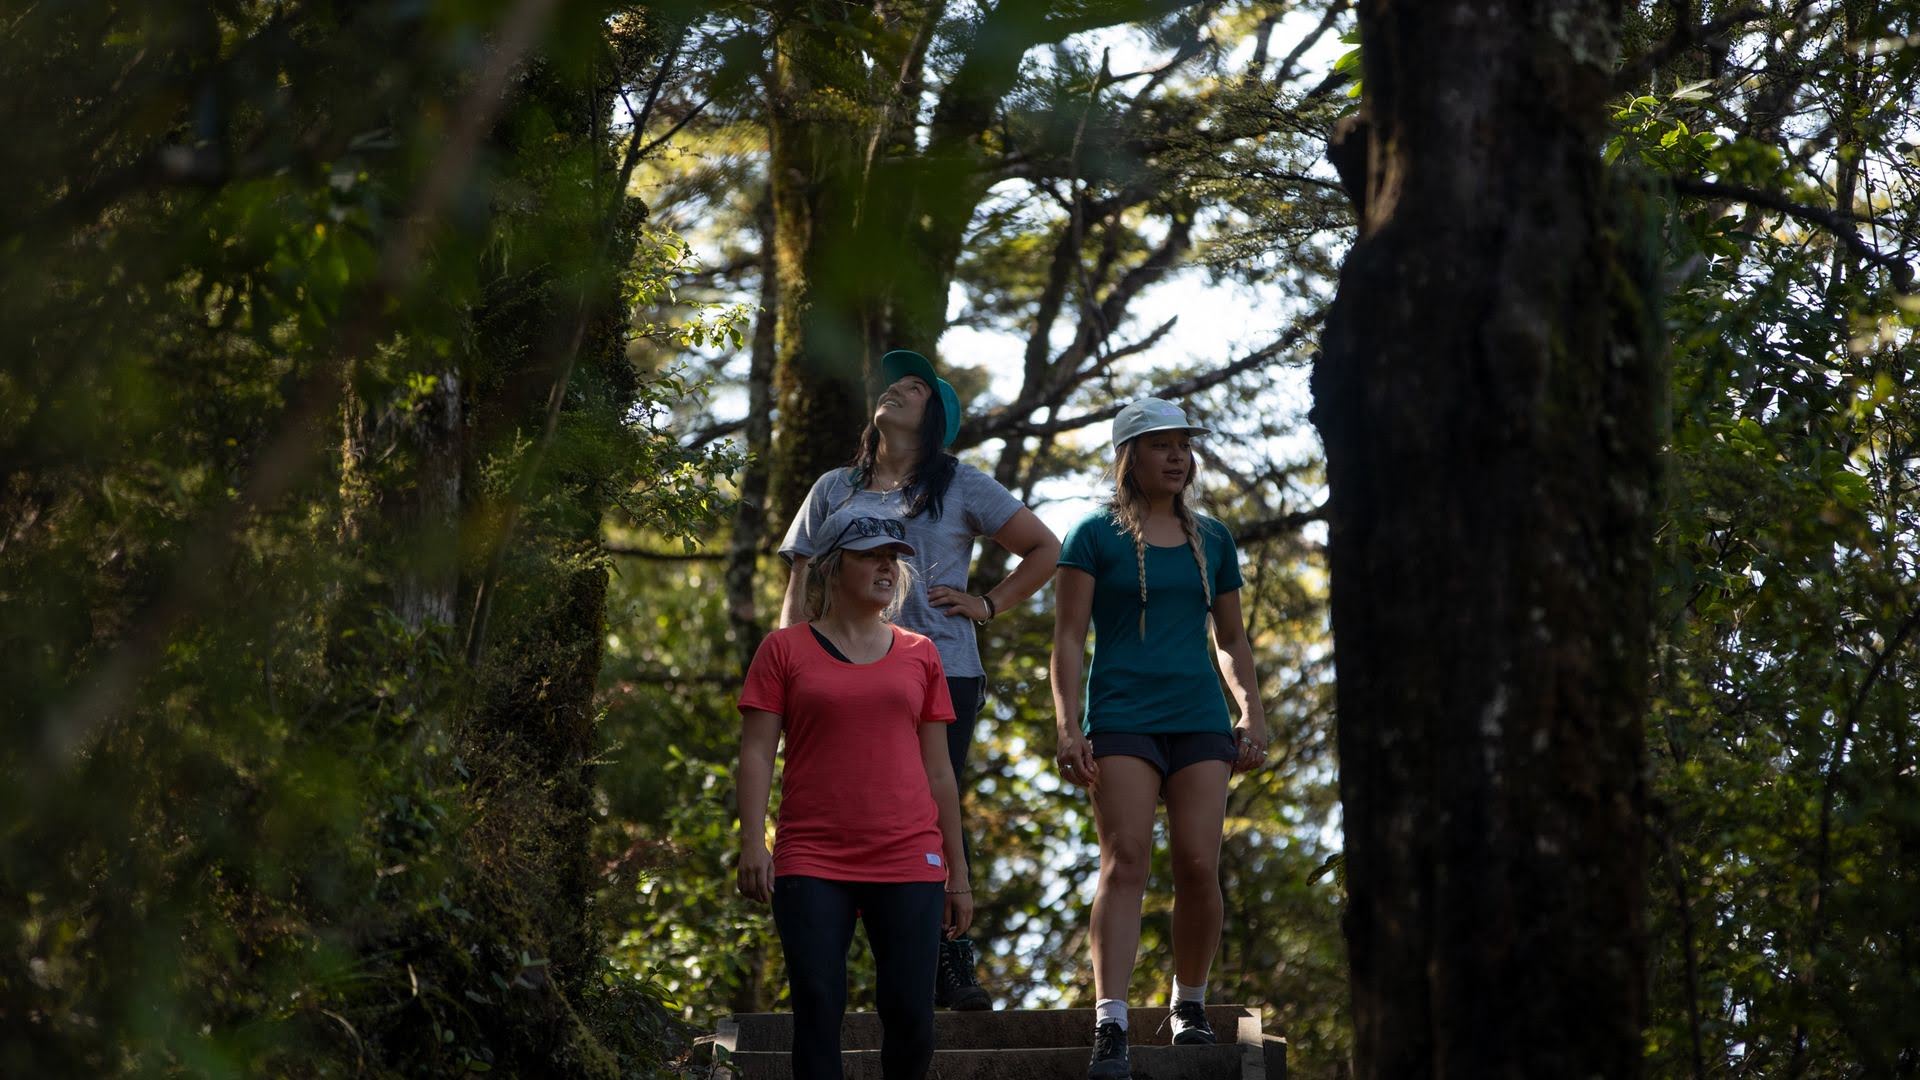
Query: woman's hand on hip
(956,603)
(959,604)
(1074,758)
(756,873)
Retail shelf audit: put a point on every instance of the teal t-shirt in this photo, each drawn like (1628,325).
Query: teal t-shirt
(1163,683)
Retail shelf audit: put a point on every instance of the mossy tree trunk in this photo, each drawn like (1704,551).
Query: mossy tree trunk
(816,113)
(553,316)
(750,519)
(401,482)
(1487,395)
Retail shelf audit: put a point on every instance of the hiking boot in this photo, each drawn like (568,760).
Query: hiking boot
(1109,1053)
(1190,1027)
(954,986)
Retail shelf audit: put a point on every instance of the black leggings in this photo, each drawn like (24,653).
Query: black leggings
(967,692)
(815,918)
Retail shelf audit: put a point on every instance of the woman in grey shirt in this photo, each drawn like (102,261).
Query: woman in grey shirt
(903,470)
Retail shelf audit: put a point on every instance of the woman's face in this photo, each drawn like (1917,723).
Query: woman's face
(904,404)
(866,578)
(1162,463)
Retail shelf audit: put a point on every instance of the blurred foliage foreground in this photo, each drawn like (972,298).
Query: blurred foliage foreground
(304,600)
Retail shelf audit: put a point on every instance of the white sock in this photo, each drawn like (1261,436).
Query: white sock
(1110,1010)
(1183,992)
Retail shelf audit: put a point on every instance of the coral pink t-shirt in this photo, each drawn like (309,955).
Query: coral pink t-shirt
(855,804)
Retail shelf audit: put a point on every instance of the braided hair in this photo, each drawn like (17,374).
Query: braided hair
(1128,510)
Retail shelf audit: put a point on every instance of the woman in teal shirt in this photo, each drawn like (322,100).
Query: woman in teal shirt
(1148,572)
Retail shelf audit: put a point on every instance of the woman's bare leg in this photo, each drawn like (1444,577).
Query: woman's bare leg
(1123,807)
(1196,814)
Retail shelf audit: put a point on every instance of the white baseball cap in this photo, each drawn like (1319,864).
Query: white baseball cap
(1151,414)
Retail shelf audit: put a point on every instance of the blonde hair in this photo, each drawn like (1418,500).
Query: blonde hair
(1128,509)
(822,571)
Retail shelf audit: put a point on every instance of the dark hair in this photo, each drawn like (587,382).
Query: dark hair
(926,489)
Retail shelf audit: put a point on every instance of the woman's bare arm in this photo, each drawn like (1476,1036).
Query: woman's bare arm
(1072,610)
(753,783)
(946,796)
(1235,654)
(793,607)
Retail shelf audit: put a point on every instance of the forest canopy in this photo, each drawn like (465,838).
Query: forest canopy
(401,405)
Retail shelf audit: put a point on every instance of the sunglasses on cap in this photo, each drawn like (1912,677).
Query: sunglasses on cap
(862,527)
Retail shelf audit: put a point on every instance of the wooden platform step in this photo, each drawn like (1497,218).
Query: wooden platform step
(1018,1044)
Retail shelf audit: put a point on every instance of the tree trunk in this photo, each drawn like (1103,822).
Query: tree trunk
(815,125)
(750,520)
(1487,395)
(401,477)
(547,333)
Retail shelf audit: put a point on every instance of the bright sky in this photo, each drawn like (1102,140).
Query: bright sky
(1217,324)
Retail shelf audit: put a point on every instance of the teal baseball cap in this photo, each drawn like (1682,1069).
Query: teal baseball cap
(901,363)
(1151,414)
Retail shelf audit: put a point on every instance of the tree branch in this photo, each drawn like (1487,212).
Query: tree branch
(1839,223)
(1195,45)
(1275,527)
(702,436)
(1011,420)
(1091,336)
(1135,348)
(1011,29)
(1687,36)
(1334,11)
(1829,787)
(660,141)
(1047,311)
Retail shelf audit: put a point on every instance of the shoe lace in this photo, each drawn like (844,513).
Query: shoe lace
(1192,1014)
(1109,1040)
(957,972)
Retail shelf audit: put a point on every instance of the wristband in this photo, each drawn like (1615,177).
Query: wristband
(987,599)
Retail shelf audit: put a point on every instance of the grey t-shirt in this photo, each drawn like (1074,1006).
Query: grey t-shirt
(976,505)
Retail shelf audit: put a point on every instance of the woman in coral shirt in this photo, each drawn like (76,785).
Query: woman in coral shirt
(869,824)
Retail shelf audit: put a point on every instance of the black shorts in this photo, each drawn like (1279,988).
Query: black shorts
(1167,753)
